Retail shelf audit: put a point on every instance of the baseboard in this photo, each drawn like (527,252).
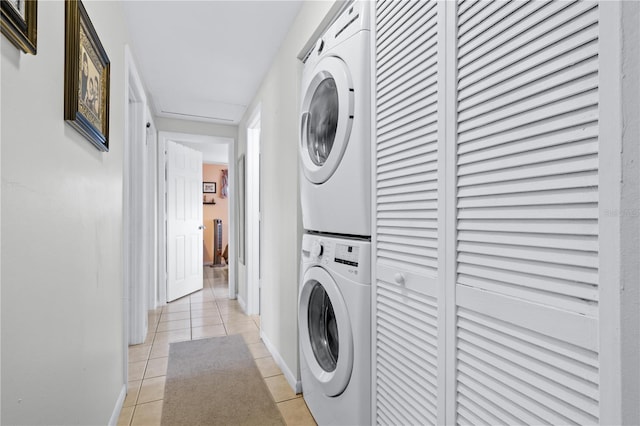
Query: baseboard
(242,304)
(116,410)
(295,384)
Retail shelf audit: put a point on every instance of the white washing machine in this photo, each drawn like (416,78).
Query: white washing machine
(335,134)
(335,329)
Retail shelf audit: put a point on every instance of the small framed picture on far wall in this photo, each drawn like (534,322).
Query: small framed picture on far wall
(209,187)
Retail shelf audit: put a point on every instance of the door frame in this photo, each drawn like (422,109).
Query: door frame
(152,225)
(254,209)
(134,291)
(163,137)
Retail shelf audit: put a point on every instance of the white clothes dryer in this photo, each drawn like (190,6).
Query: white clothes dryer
(335,134)
(335,329)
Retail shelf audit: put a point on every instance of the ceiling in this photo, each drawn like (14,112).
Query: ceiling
(205,60)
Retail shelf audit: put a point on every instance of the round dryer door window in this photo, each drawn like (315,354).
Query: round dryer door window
(326,119)
(322,121)
(325,331)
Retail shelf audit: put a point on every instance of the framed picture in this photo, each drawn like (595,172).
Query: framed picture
(209,187)
(20,23)
(86,77)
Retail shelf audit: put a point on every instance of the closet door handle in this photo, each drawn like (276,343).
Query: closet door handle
(399,278)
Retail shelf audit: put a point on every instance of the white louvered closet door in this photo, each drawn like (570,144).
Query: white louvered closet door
(526,167)
(521,238)
(406,330)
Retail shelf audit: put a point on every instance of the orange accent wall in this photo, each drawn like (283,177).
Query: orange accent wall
(220,210)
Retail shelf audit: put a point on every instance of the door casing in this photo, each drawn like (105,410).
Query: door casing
(163,137)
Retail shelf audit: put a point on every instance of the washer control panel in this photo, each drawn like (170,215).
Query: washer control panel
(349,257)
(317,249)
(347,254)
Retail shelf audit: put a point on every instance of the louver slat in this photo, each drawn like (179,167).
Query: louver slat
(570,242)
(406,223)
(527,213)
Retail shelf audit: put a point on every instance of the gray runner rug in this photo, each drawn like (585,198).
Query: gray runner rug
(216,382)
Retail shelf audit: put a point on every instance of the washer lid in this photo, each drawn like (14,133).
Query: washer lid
(326,119)
(325,331)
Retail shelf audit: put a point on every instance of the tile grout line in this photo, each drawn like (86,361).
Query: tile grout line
(288,399)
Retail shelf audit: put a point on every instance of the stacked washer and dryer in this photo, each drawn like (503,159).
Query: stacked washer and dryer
(335,191)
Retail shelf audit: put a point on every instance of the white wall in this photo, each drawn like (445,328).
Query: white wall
(281,220)
(62,275)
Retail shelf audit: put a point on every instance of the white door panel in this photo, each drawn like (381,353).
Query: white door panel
(184,220)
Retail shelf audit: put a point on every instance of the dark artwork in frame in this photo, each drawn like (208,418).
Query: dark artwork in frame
(209,187)
(86,76)
(20,23)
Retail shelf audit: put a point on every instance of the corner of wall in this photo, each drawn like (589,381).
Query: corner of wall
(242,303)
(293,379)
(113,420)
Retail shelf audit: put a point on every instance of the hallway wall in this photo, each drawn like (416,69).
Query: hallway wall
(282,225)
(62,224)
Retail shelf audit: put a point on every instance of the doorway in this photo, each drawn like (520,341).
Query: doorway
(254,218)
(215,206)
(201,143)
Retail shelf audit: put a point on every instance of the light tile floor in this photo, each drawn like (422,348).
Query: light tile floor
(206,313)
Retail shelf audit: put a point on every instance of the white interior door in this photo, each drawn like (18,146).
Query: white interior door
(184,220)
(527,204)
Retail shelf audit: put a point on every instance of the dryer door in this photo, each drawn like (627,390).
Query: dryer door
(326,119)
(325,331)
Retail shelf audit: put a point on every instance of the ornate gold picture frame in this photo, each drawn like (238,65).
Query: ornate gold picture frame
(86,77)
(20,23)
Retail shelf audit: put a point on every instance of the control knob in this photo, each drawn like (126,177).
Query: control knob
(316,249)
